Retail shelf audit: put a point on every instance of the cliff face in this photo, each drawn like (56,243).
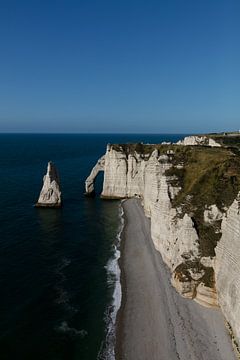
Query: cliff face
(199,140)
(185,190)
(228,266)
(89,183)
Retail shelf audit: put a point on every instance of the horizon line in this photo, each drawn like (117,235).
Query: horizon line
(97,133)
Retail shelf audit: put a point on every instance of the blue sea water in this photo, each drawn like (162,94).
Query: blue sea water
(56,291)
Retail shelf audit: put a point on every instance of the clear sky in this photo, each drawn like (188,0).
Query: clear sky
(119,65)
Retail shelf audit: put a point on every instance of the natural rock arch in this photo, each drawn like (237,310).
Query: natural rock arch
(90,181)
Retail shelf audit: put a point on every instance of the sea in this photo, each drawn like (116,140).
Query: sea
(59,275)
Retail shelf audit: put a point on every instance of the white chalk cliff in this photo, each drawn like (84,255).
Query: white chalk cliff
(50,195)
(134,174)
(143,176)
(227,267)
(89,183)
(199,140)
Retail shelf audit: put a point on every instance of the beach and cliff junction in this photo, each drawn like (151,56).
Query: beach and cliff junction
(154,321)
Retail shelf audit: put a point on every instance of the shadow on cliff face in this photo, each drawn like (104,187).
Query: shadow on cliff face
(98,185)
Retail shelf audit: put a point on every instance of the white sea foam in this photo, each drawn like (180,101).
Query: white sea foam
(107,351)
(63,297)
(65,328)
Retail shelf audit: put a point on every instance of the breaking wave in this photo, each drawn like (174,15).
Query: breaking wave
(107,350)
(66,329)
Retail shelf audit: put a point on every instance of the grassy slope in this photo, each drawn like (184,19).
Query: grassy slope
(209,176)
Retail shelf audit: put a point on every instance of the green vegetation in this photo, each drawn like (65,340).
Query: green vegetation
(227,139)
(209,279)
(140,148)
(208,176)
(145,149)
(182,272)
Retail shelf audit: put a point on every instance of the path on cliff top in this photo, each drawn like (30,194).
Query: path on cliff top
(155,322)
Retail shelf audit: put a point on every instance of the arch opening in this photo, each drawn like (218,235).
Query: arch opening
(94,178)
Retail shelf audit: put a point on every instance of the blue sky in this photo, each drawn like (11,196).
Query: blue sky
(119,66)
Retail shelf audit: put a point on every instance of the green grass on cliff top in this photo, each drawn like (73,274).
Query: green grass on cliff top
(209,176)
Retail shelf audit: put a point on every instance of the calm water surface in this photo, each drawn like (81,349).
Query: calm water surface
(55,288)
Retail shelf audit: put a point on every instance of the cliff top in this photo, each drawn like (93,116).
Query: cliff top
(227,139)
(208,176)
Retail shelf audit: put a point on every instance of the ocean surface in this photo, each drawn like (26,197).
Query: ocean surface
(57,269)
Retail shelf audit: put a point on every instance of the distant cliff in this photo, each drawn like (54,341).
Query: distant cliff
(190,192)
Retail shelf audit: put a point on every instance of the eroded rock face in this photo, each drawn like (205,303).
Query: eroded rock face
(198,140)
(50,195)
(206,296)
(89,183)
(212,214)
(227,267)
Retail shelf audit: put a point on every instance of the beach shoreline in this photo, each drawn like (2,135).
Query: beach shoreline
(119,318)
(154,321)
(107,349)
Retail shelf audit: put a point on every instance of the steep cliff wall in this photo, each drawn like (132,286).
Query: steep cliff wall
(227,266)
(185,190)
(89,183)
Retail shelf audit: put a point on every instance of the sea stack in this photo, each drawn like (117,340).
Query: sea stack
(50,195)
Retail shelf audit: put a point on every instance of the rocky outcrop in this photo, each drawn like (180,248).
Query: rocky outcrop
(212,214)
(199,140)
(50,195)
(227,267)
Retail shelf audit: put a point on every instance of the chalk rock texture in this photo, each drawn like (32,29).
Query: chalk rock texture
(50,195)
(198,140)
(128,173)
(206,296)
(227,267)
(89,183)
(212,214)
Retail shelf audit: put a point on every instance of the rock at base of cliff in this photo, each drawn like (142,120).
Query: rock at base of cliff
(91,194)
(50,195)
